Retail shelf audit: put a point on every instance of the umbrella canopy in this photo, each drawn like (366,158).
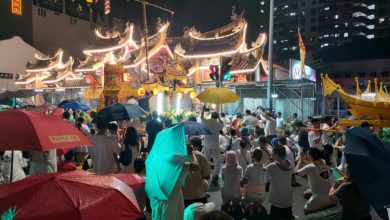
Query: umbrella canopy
(69,104)
(195,128)
(58,112)
(218,96)
(118,112)
(69,195)
(27,130)
(369,159)
(132,180)
(165,162)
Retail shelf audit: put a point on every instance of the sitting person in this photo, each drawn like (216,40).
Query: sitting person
(354,205)
(231,176)
(320,182)
(280,170)
(196,210)
(67,164)
(244,154)
(254,180)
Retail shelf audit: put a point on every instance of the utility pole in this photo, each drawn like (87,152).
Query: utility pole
(270,54)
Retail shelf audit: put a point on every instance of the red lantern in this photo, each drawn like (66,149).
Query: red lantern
(141,92)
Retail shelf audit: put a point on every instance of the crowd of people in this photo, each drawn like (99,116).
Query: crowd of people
(257,155)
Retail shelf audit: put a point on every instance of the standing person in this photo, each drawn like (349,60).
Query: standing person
(237,122)
(43,162)
(314,136)
(250,121)
(131,147)
(232,174)
(255,179)
(270,126)
(18,164)
(152,129)
(327,137)
(82,151)
(280,122)
(225,119)
(211,142)
(293,118)
(194,186)
(320,181)
(303,138)
(280,170)
(105,152)
(139,191)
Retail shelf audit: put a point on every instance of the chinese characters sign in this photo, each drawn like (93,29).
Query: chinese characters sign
(16,7)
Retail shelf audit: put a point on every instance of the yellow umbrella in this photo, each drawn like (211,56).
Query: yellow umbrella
(218,96)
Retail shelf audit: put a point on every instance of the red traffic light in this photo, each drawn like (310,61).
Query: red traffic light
(214,68)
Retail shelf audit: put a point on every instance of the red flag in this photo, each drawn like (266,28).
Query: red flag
(302,51)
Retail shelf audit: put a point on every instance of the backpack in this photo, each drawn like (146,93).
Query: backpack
(126,156)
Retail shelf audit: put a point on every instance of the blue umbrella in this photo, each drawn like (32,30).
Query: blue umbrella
(195,128)
(165,162)
(69,104)
(369,159)
(118,112)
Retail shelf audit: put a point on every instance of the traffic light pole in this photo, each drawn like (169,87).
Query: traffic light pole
(270,54)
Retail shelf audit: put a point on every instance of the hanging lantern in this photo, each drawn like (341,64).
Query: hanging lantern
(155,91)
(192,95)
(180,95)
(141,92)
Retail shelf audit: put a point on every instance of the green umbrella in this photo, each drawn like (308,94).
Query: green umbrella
(165,162)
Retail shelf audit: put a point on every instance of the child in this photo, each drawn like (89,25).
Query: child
(280,170)
(231,176)
(255,179)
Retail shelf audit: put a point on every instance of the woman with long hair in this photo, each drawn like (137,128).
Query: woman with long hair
(131,146)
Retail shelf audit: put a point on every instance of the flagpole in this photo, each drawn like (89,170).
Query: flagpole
(301,48)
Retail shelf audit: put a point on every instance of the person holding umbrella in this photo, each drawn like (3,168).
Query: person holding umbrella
(105,153)
(211,141)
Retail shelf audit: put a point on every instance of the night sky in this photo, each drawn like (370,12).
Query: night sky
(205,15)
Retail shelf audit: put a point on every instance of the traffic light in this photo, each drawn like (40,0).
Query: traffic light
(214,75)
(225,68)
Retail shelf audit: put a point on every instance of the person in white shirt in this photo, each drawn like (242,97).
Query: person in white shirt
(105,152)
(270,125)
(250,121)
(280,170)
(211,141)
(327,137)
(18,164)
(320,181)
(244,154)
(43,162)
(314,136)
(225,119)
(231,175)
(280,122)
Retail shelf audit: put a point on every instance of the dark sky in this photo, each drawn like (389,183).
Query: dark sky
(205,15)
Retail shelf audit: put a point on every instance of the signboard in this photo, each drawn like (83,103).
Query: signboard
(113,76)
(6,76)
(296,72)
(16,7)
(54,5)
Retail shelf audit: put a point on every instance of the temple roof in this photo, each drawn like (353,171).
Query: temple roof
(45,63)
(226,40)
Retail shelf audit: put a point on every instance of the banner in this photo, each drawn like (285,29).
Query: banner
(296,71)
(113,75)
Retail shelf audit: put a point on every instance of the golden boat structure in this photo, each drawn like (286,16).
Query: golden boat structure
(373,107)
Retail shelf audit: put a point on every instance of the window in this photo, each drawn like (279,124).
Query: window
(371,26)
(371,7)
(381,20)
(345,34)
(326,8)
(336,26)
(373,74)
(371,36)
(262,3)
(292,14)
(73,21)
(336,17)
(41,12)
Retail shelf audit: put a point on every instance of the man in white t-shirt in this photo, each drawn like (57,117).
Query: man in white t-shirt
(270,125)
(314,136)
(105,152)
(211,141)
(320,181)
(280,122)
(280,170)
(249,120)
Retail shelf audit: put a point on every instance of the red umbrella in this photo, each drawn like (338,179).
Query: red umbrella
(69,195)
(58,112)
(27,130)
(132,180)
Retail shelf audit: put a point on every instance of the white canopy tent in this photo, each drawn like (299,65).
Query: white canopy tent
(14,55)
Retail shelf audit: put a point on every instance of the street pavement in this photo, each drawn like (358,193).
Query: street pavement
(214,191)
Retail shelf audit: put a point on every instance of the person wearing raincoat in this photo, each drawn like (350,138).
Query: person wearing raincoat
(166,169)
